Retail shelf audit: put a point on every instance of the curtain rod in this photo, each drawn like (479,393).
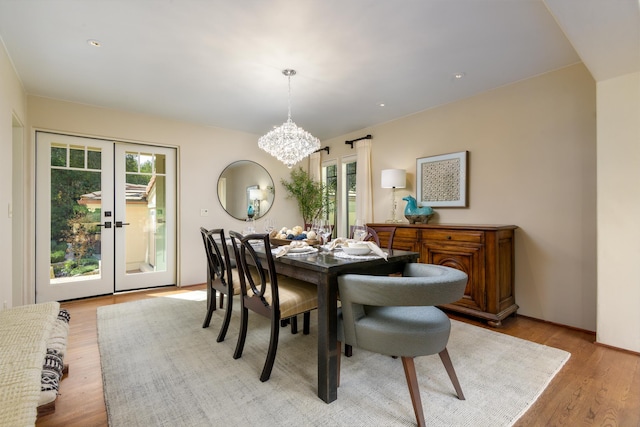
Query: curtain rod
(323,149)
(354,140)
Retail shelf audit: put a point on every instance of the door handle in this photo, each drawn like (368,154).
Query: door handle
(107,224)
(119,224)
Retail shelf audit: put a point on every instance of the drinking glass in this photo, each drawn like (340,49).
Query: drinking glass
(269,225)
(325,231)
(315,226)
(250,226)
(359,230)
(320,229)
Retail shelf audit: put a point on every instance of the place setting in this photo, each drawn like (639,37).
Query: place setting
(355,249)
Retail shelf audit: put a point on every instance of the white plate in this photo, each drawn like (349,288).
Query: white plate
(301,250)
(356,250)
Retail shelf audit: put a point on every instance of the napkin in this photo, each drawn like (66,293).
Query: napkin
(372,246)
(294,244)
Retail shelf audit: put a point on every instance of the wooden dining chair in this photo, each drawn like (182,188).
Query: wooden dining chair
(269,294)
(222,278)
(375,234)
(396,316)
(372,234)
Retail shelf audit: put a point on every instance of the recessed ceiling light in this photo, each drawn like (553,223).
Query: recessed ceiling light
(458,76)
(381,104)
(94,43)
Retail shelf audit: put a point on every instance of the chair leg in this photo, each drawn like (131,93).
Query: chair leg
(414,391)
(348,350)
(271,355)
(227,319)
(294,324)
(339,348)
(242,334)
(211,306)
(221,300)
(448,365)
(306,322)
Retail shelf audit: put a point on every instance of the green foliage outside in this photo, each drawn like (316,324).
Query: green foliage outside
(74,228)
(309,194)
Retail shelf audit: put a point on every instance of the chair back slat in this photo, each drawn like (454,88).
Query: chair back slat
(218,260)
(253,274)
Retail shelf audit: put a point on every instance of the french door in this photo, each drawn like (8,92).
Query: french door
(105,216)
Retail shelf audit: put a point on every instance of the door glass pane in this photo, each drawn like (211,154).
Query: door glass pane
(330,180)
(75,214)
(94,158)
(76,157)
(350,197)
(58,155)
(145,247)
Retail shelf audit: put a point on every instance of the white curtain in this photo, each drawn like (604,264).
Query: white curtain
(315,166)
(364,195)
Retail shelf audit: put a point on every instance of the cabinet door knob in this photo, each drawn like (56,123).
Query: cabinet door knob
(448,237)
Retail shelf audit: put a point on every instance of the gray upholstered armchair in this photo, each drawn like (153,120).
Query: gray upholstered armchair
(396,316)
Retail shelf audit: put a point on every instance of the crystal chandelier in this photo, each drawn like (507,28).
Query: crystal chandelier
(288,142)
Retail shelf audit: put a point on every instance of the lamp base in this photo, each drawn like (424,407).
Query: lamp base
(393,221)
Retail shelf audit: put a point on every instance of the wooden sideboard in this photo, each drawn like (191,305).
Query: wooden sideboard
(484,252)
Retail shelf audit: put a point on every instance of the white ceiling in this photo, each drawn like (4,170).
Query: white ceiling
(219,62)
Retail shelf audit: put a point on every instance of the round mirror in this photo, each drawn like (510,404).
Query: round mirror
(245,189)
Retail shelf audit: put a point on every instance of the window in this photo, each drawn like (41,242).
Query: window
(349,169)
(330,181)
(340,194)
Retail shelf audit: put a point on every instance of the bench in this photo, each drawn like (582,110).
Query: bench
(33,340)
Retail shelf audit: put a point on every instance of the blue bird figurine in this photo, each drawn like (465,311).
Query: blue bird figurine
(414,213)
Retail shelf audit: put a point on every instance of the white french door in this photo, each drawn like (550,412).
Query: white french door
(105,216)
(145,203)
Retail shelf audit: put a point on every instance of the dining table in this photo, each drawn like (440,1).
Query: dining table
(322,268)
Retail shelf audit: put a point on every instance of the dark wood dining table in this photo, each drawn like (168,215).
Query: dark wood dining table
(322,269)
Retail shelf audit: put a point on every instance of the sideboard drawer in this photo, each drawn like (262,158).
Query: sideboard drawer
(406,233)
(453,235)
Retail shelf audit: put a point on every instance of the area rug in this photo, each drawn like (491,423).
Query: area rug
(161,368)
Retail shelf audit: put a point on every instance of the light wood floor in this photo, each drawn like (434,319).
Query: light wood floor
(598,386)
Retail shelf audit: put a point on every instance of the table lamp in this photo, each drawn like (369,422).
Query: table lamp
(256,195)
(393,178)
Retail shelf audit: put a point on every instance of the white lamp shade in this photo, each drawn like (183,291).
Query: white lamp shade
(255,194)
(394,178)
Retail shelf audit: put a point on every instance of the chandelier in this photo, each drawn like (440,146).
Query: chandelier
(288,142)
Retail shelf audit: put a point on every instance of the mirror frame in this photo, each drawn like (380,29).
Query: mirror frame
(245,175)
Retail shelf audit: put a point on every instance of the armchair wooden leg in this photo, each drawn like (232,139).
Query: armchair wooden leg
(414,391)
(294,324)
(221,300)
(448,365)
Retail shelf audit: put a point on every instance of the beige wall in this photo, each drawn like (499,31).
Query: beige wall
(12,116)
(532,163)
(619,211)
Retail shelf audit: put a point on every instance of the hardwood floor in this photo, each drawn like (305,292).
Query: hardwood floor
(598,386)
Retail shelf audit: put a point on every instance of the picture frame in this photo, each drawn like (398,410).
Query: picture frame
(441,181)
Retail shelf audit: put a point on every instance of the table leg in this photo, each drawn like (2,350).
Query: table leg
(327,340)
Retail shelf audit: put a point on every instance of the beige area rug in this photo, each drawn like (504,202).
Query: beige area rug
(161,368)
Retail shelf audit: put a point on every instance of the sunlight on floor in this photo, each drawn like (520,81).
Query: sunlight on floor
(185,295)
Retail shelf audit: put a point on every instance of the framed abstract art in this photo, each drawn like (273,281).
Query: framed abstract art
(441,181)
